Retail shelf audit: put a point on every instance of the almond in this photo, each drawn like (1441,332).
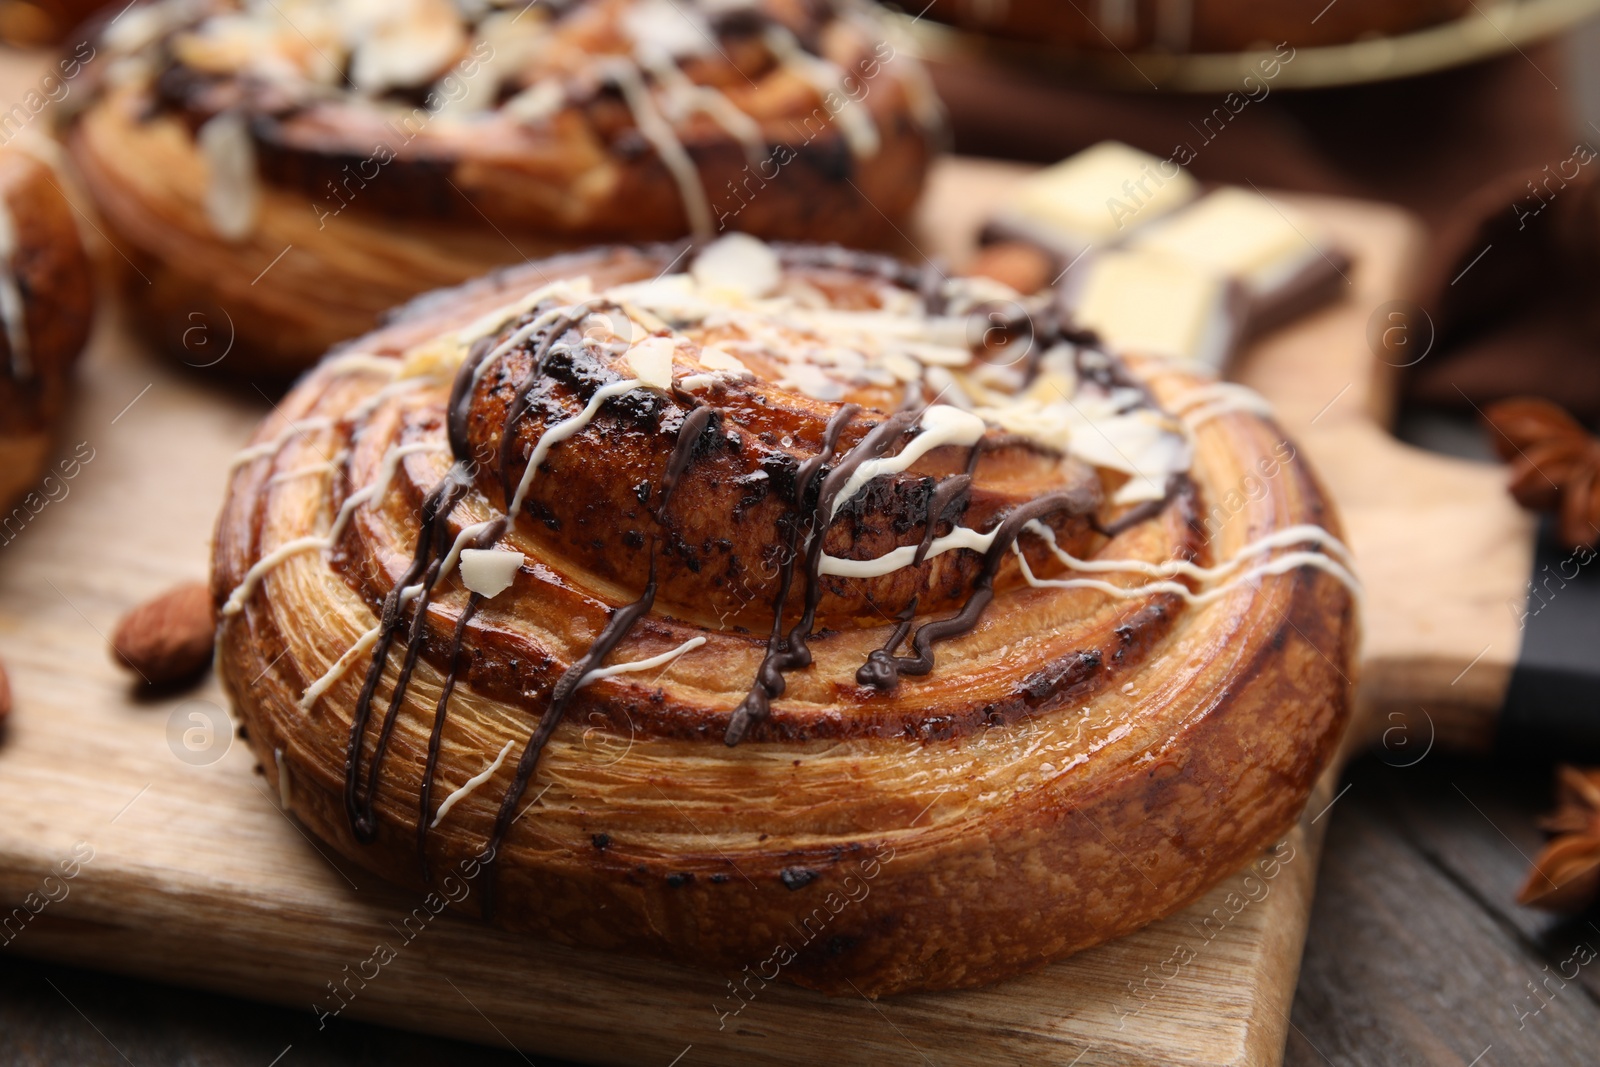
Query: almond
(5,694)
(1015,263)
(169,638)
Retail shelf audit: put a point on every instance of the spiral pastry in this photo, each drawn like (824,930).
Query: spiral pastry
(797,611)
(304,165)
(46,305)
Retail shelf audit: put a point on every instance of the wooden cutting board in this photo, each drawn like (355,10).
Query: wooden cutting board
(197,877)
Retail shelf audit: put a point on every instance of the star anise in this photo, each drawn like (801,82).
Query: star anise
(1566,875)
(1555,464)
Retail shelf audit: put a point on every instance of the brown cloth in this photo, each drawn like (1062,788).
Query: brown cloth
(1489,155)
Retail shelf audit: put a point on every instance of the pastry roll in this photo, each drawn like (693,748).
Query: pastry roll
(46,307)
(782,608)
(299,167)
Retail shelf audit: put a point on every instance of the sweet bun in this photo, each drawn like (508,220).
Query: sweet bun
(298,168)
(797,610)
(46,308)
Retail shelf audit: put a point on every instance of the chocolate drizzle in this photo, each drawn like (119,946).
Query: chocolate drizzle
(883,668)
(616,628)
(784,653)
(815,498)
(425,794)
(434,528)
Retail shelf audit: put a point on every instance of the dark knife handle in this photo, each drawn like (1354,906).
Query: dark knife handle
(1552,706)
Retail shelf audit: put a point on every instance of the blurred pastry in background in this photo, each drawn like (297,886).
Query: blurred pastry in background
(300,167)
(1193,25)
(32,23)
(46,304)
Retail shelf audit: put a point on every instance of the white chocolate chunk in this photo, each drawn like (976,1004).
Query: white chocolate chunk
(1158,305)
(1241,234)
(1105,190)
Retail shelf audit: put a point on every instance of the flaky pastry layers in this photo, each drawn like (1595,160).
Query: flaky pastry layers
(797,611)
(383,150)
(46,306)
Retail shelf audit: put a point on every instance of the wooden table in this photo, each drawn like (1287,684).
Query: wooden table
(1416,956)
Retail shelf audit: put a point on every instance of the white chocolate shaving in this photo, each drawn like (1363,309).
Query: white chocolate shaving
(737,265)
(232,195)
(717,359)
(651,360)
(490,572)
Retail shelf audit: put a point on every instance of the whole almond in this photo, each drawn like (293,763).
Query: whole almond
(169,638)
(1015,263)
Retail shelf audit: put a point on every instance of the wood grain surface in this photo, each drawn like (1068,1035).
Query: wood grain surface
(1416,956)
(1417,953)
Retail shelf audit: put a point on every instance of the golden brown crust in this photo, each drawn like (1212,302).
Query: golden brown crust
(380,196)
(1073,768)
(52,279)
(1195,25)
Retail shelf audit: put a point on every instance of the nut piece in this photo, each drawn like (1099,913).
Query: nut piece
(169,638)
(1015,263)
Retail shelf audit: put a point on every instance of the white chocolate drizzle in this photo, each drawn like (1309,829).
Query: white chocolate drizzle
(375,491)
(855,121)
(554,435)
(12,310)
(283,778)
(315,690)
(303,472)
(270,448)
(1335,559)
(472,784)
(664,139)
(1219,398)
(634,666)
(941,425)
